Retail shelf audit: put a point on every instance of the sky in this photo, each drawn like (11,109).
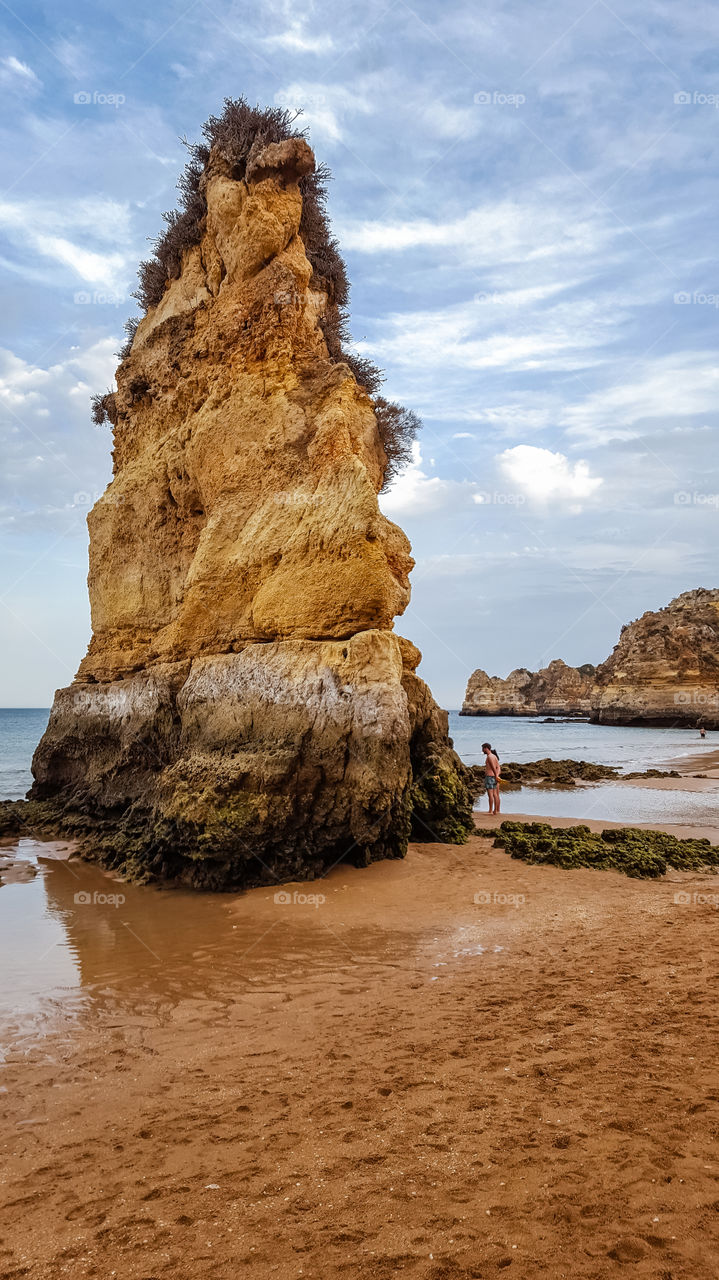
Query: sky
(526,200)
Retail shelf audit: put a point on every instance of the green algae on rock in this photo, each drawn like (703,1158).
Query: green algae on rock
(635,852)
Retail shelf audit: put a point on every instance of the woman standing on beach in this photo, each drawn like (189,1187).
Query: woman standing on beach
(492,771)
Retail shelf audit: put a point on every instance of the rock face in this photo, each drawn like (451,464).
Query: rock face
(245,711)
(555,690)
(663,671)
(665,668)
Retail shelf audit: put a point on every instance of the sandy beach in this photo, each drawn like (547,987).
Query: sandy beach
(454,1066)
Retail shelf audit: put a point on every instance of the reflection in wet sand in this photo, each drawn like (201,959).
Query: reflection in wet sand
(81,941)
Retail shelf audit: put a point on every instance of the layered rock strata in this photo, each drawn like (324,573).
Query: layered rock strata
(555,690)
(245,711)
(665,668)
(663,671)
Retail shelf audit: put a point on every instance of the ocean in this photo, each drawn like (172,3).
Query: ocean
(523,738)
(515,738)
(20,731)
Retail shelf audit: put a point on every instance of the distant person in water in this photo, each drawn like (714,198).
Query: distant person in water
(702,732)
(492,771)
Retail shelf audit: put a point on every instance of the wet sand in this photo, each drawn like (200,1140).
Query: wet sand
(400,1079)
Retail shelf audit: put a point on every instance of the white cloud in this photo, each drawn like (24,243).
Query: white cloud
(471,336)
(542,477)
(414,492)
(60,231)
(324,107)
(494,232)
(54,462)
(674,386)
(15,68)
(297,40)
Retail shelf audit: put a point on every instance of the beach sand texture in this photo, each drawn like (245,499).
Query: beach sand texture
(402,1080)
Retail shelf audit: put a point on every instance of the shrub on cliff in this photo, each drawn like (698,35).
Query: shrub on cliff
(240,133)
(398,428)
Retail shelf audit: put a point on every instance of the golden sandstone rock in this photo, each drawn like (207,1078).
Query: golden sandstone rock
(554,690)
(664,670)
(244,711)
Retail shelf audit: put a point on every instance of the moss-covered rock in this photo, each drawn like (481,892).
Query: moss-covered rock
(441,805)
(632,850)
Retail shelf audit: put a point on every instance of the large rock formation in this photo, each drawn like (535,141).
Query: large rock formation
(665,668)
(663,671)
(555,690)
(245,711)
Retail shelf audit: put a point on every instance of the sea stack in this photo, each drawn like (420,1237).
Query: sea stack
(245,712)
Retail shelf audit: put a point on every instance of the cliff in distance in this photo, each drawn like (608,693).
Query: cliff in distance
(555,690)
(245,711)
(663,671)
(665,668)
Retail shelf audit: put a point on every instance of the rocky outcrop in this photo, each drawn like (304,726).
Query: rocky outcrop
(665,668)
(663,671)
(245,711)
(555,690)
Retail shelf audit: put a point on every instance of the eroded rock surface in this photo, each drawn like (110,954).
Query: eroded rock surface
(555,690)
(665,668)
(245,711)
(663,671)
